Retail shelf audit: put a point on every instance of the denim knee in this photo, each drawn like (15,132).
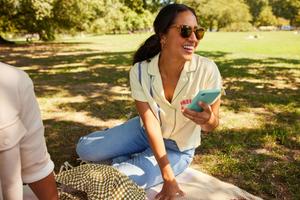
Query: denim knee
(85,151)
(80,149)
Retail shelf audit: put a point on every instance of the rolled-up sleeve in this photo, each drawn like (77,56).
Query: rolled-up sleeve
(214,79)
(137,92)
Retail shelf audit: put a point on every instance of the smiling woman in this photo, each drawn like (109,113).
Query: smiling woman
(160,143)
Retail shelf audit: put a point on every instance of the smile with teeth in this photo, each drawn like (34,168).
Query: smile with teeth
(188,47)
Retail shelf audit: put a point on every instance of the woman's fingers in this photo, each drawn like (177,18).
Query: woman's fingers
(188,114)
(161,196)
(205,106)
(199,117)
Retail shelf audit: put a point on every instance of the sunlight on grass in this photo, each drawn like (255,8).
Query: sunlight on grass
(268,43)
(82,86)
(232,120)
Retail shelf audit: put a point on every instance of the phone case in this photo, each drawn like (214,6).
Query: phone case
(207,96)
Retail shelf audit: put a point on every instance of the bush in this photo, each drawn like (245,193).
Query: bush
(238,26)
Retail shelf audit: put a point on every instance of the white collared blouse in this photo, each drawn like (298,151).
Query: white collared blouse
(146,86)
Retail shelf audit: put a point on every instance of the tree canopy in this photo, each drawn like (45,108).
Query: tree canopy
(48,17)
(222,14)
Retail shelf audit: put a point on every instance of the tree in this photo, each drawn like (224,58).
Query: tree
(135,5)
(297,19)
(221,14)
(266,17)
(47,17)
(154,5)
(77,15)
(35,16)
(287,9)
(31,16)
(255,7)
(8,11)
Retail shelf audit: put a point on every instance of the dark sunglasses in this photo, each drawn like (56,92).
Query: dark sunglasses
(186,31)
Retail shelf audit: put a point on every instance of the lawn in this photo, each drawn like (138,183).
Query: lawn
(82,86)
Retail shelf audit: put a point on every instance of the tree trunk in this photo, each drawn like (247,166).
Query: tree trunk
(4,41)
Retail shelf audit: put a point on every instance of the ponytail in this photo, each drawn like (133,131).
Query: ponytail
(150,48)
(165,18)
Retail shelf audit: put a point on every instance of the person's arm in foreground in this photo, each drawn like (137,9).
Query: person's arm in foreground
(208,119)
(11,180)
(170,187)
(45,188)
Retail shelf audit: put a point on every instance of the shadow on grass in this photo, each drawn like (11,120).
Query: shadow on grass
(81,71)
(242,158)
(250,83)
(62,137)
(56,67)
(109,108)
(256,68)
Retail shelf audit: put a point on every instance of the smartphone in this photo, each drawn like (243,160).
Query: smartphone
(207,96)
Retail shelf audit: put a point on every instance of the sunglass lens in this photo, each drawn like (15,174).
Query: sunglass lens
(199,33)
(186,31)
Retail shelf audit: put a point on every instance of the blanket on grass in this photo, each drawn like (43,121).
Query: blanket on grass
(197,186)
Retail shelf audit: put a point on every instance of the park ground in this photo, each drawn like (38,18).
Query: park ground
(82,86)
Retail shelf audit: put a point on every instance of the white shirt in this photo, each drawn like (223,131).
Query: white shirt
(198,74)
(21,127)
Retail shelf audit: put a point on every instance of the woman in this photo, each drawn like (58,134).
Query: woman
(160,143)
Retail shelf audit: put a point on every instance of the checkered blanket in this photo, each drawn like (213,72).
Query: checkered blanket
(96,181)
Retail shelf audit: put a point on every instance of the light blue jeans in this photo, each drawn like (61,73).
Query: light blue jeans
(128,148)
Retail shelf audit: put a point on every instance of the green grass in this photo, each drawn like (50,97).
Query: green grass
(82,86)
(282,44)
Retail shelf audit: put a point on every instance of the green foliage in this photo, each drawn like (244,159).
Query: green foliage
(256,7)
(8,11)
(266,17)
(288,9)
(229,15)
(136,5)
(222,14)
(35,16)
(119,18)
(136,22)
(48,17)
(30,16)
(297,19)
(238,26)
(76,15)
(260,10)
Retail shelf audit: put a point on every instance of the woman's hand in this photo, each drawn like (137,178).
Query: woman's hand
(208,119)
(200,118)
(169,191)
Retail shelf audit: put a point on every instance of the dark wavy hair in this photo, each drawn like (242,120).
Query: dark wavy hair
(161,24)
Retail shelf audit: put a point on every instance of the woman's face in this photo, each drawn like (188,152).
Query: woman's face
(174,44)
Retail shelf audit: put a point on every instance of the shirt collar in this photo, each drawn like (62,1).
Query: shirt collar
(153,70)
